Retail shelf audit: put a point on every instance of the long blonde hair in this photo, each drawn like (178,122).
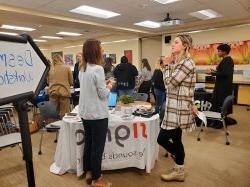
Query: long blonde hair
(57,59)
(187,41)
(91,53)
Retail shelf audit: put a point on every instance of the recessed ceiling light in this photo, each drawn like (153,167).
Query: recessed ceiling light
(72,46)
(69,33)
(52,37)
(37,40)
(95,12)
(13,27)
(149,24)
(205,14)
(9,33)
(119,41)
(166,1)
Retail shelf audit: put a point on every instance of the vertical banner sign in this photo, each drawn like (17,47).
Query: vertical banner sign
(23,69)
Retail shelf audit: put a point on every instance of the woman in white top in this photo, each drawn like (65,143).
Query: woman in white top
(93,109)
(145,78)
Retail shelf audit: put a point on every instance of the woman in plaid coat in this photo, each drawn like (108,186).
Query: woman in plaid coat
(179,80)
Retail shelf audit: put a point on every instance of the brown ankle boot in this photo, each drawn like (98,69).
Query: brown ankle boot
(101,183)
(88,177)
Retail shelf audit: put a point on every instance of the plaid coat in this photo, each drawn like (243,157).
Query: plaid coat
(179,81)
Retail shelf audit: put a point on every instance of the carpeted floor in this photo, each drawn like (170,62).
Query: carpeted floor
(208,163)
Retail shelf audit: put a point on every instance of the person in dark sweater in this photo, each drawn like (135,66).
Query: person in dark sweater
(125,74)
(76,70)
(75,96)
(224,78)
(159,87)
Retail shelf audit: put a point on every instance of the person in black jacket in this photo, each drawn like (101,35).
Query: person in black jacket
(159,87)
(224,78)
(125,74)
(76,70)
(75,96)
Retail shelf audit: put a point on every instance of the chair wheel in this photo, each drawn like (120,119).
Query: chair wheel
(227,134)
(201,130)
(227,143)
(198,139)
(55,141)
(40,152)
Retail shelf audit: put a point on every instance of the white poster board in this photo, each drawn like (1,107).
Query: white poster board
(21,69)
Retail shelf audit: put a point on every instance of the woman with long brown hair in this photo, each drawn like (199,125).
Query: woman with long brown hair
(145,78)
(158,83)
(108,68)
(93,109)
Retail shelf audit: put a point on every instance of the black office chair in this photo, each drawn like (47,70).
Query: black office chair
(9,131)
(48,112)
(219,116)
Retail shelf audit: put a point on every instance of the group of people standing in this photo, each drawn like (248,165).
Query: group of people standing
(179,81)
(173,80)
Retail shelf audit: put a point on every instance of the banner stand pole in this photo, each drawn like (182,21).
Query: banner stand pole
(22,109)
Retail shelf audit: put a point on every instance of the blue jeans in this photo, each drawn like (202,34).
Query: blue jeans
(125,92)
(160,97)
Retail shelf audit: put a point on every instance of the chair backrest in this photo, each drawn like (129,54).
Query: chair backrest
(48,110)
(7,126)
(9,132)
(162,111)
(227,104)
(140,96)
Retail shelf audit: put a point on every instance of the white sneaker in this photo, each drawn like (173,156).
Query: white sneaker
(177,174)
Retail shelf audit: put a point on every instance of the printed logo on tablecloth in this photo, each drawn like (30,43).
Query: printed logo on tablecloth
(122,133)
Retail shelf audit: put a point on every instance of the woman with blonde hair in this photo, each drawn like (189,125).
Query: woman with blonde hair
(60,79)
(179,113)
(93,109)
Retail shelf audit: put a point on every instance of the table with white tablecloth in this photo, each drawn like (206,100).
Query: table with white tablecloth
(130,143)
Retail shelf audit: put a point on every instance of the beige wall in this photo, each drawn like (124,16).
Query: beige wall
(151,49)
(110,47)
(118,49)
(227,34)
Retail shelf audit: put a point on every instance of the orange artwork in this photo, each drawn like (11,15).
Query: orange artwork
(207,54)
(128,54)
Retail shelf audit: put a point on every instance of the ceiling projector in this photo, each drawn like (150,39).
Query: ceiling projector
(171,22)
(168,21)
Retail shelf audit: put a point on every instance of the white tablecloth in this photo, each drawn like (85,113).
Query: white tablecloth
(129,143)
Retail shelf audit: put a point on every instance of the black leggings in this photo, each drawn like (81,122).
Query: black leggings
(95,137)
(175,146)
